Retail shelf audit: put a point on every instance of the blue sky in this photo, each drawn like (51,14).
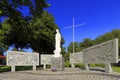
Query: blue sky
(100,16)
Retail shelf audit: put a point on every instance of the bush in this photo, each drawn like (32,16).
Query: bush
(19,68)
(67,64)
(97,65)
(80,65)
(5,68)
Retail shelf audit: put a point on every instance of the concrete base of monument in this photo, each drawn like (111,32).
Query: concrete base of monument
(57,63)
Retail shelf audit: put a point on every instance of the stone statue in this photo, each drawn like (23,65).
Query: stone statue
(57,50)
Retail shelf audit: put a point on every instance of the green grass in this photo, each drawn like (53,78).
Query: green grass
(116,69)
(18,68)
(5,68)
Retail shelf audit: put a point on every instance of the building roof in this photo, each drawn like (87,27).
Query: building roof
(2,57)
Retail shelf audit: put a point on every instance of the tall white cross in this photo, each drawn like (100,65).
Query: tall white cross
(73,27)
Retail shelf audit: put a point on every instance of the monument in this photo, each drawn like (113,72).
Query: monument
(103,53)
(57,62)
(15,58)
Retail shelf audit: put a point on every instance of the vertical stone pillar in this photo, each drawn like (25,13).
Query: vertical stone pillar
(44,66)
(108,68)
(13,68)
(72,65)
(86,67)
(34,67)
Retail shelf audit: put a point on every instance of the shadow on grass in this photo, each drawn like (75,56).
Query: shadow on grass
(5,69)
(18,68)
(23,68)
(98,70)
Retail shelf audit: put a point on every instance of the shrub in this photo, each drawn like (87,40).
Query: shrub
(67,64)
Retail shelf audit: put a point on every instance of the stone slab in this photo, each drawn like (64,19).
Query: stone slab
(57,63)
(46,59)
(22,58)
(106,52)
(76,57)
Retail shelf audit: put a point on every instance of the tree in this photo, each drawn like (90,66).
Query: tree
(36,30)
(76,47)
(20,25)
(103,38)
(87,42)
(108,36)
(5,28)
(43,33)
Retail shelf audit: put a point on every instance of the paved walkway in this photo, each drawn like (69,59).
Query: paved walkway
(68,74)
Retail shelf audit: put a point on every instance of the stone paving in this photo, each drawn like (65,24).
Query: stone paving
(68,74)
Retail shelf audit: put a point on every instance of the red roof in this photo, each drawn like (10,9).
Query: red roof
(1,56)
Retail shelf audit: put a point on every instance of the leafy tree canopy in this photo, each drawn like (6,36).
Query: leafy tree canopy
(36,30)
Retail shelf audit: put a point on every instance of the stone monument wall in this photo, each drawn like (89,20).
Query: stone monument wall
(22,58)
(46,59)
(106,52)
(76,57)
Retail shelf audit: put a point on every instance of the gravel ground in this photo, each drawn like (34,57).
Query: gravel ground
(67,74)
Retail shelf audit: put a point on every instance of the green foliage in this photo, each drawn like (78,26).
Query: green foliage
(67,64)
(76,47)
(43,33)
(17,27)
(35,30)
(87,42)
(19,68)
(8,7)
(5,68)
(5,29)
(0,12)
(108,36)
(66,56)
(97,65)
(80,65)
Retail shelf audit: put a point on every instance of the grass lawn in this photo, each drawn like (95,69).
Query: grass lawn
(18,68)
(116,69)
(5,68)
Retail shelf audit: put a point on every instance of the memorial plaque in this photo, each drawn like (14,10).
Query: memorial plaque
(106,52)
(22,58)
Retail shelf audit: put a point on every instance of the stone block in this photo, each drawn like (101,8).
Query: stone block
(22,58)
(57,63)
(76,57)
(46,59)
(15,58)
(106,52)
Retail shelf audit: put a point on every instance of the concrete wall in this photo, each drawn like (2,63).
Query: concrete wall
(22,58)
(106,52)
(76,57)
(46,59)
